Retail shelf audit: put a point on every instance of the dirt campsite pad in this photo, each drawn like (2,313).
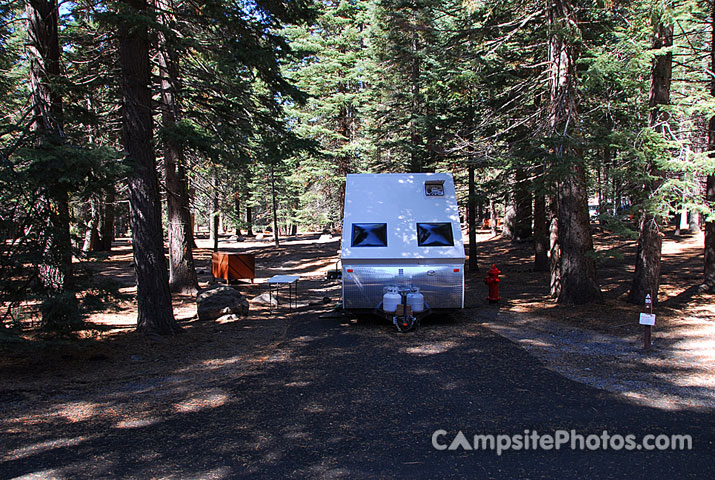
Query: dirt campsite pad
(313,393)
(602,344)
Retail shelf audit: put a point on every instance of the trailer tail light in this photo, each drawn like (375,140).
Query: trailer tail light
(350,270)
(456,270)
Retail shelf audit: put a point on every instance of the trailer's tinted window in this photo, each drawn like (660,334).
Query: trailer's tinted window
(434,235)
(369,235)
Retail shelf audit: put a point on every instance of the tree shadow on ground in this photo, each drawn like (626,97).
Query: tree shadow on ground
(355,402)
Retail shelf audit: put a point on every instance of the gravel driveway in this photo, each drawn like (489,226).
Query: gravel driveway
(341,398)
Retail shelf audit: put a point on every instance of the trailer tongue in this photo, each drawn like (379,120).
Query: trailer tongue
(404,305)
(402,251)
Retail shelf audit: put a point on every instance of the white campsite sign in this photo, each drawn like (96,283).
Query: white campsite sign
(648,300)
(647,319)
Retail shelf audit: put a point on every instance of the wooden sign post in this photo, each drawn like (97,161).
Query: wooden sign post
(647,320)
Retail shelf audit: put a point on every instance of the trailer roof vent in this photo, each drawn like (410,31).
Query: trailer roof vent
(434,188)
(435,235)
(369,235)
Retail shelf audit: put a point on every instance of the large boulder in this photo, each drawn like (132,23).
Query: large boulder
(220,300)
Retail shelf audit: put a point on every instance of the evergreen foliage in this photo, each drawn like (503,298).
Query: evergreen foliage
(279,100)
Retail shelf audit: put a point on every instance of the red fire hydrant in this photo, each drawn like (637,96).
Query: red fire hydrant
(492,281)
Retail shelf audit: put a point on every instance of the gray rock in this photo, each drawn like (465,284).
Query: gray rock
(220,300)
(265,299)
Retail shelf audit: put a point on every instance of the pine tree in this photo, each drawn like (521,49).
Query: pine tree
(573,276)
(709,260)
(402,34)
(155,314)
(331,70)
(182,274)
(646,279)
(47,122)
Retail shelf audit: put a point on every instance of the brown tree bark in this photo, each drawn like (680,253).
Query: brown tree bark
(55,267)
(472,221)
(709,270)
(237,210)
(215,212)
(415,140)
(541,234)
(249,220)
(709,260)
(522,206)
(574,278)
(106,236)
(153,297)
(274,202)
(91,236)
(182,273)
(493,216)
(554,249)
(646,279)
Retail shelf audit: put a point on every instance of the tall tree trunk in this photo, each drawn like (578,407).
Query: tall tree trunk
(415,140)
(55,268)
(709,260)
(274,202)
(237,211)
(554,249)
(91,236)
(192,215)
(153,297)
(522,206)
(541,234)
(709,280)
(472,221)
(577,269)
(646,279)
(215,213)
(247,203)
(493,216)
(182,273)
(344,163)
(106,236)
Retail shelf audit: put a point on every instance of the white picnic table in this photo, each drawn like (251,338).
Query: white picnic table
(276,281)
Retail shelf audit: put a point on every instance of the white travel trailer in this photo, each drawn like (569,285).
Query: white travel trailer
(402,245)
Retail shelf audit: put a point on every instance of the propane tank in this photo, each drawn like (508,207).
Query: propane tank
(391,299)
(416,300)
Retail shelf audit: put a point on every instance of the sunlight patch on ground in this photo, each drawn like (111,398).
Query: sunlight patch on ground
(683,244)
(137,422)
(677,374)
(297,384)
(114,319)
(48,445)
(218,363)
(654,398)
(77,411)
(430,349)
(537,343)
(209,399)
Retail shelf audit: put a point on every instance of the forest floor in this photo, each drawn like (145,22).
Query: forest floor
(601,344)
(312,393)
(598,344)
